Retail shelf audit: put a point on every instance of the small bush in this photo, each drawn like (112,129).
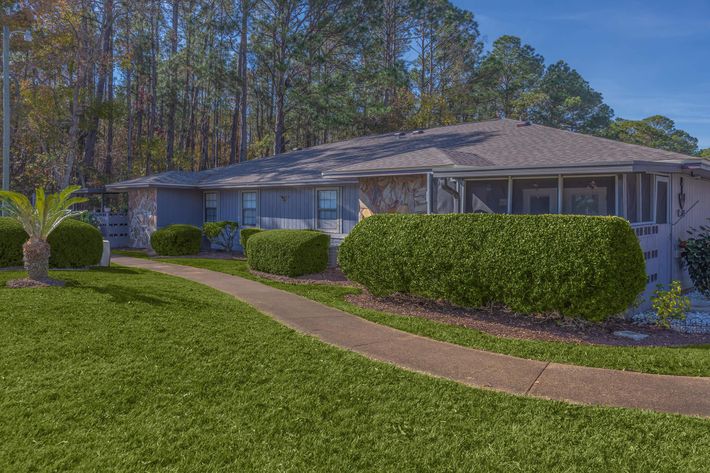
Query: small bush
(221,234)
(12,237)
(696,257)
(244,235)
(288,252)
(590,267)
(75,244)
(669,304)
(177,240)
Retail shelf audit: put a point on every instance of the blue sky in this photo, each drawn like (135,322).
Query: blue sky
(646,57)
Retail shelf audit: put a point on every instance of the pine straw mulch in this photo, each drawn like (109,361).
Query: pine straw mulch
(31,283)
(501,322)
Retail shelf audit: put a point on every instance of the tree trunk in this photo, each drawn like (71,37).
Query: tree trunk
(243,139)
(92,134)
(108,163)
(170,147)
(36,258)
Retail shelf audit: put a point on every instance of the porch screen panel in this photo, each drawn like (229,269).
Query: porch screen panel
(632,198)
(487,196)
(535,196)
(589,195)
(662,202)
(646,195)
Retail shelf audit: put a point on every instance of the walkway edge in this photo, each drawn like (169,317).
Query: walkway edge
(577,384)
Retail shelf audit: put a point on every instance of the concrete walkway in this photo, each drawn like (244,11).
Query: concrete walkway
(577,384)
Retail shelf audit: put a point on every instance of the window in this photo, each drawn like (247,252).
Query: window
(535,196)
(589,195)
(487,196)
(327,211)
(210,206)
(661,200)
(249,208)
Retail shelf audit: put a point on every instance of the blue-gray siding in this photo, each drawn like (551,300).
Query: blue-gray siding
(179,206)
(289,207)
(281,207)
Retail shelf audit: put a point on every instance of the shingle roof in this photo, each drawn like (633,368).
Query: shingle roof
(491,144)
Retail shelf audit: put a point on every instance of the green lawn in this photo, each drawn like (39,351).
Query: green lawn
(691,361)
(127,370)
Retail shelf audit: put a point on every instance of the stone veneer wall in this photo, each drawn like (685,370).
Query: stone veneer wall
(396,194)
(142,216)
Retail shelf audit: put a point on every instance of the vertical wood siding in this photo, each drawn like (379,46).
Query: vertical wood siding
(280,207)
(229,206)
(287,207)
(179,206)
(695,190)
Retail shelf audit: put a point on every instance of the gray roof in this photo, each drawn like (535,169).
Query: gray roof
(488,145)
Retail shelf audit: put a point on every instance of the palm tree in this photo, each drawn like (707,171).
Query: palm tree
(39,221)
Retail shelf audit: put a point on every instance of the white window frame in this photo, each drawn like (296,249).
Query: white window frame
(338,207)
(204,205)
(241,208)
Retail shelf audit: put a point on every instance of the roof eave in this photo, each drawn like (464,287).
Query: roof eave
(256,185)
(383,172)
(127,187)
(591,168)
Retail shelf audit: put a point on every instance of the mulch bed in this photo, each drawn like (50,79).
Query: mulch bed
(331,277)
(31,283)
(501,322)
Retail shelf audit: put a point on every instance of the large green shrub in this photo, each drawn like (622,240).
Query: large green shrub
(75,244)
(288,252)
(696,256)
(590,267)
(244,235)
(12,237)
(176,240)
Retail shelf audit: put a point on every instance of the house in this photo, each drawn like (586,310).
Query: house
(501,166)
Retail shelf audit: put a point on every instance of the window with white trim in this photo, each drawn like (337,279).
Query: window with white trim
(210,206)
(327,210)
(249,208)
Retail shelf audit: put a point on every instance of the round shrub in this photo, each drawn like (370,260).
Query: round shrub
(589,267)
(75,244)
(12,237)
(288,252)
(177,240)
(244,235)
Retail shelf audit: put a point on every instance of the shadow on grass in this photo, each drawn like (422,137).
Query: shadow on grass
(122,294)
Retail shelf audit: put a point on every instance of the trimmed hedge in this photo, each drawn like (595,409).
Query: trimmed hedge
(177,240)
(244,235)
(75,244)
(590,267)
(288,252)
(12,237)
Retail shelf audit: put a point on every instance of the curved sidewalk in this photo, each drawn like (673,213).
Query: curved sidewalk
(482,369)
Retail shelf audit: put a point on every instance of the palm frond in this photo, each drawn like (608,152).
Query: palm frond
(48,212)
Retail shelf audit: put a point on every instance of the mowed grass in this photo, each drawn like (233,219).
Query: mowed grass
(127,370)
(689,361)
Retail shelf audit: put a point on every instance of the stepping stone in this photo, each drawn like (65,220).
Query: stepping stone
(632,335)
